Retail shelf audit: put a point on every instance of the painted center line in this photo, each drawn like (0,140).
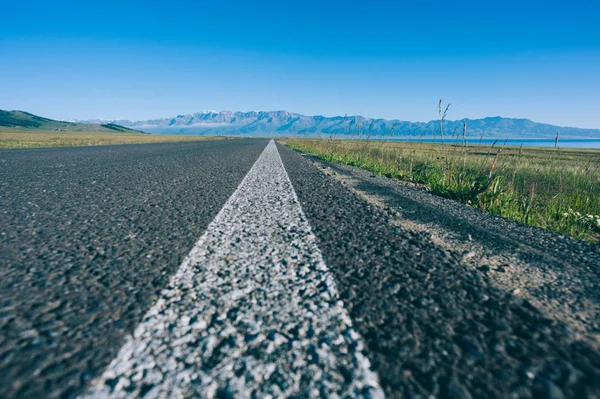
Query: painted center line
(251,312)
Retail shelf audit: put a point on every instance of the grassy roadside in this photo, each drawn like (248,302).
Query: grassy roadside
(557,189)
(12,138)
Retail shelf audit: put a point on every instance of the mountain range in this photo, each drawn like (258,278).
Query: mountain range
(284,123)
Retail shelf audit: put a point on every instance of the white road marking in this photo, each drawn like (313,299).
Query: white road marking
(251,312)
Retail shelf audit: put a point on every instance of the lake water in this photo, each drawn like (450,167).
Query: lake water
(567,143)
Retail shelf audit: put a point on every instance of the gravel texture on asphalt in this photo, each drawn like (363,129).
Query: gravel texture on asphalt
(434,325)
(88,238)
(252,311)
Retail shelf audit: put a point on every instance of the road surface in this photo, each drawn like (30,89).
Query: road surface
(238,268)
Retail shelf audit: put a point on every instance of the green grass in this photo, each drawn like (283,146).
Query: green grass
(22,138)
(554,189)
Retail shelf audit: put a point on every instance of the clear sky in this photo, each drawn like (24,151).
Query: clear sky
(389,59)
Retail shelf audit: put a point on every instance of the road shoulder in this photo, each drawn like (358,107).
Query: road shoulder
(556,273)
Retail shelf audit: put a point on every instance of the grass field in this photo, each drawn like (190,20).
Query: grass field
(558,189)
(22,138)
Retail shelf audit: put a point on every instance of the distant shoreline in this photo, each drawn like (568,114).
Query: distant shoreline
(513,142)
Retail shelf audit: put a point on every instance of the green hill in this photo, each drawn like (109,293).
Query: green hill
(24,121)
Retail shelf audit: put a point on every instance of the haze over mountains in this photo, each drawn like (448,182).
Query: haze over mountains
(283,123)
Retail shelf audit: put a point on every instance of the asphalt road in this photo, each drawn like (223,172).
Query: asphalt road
(239,269)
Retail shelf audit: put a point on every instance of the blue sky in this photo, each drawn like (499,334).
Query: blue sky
(141,60)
